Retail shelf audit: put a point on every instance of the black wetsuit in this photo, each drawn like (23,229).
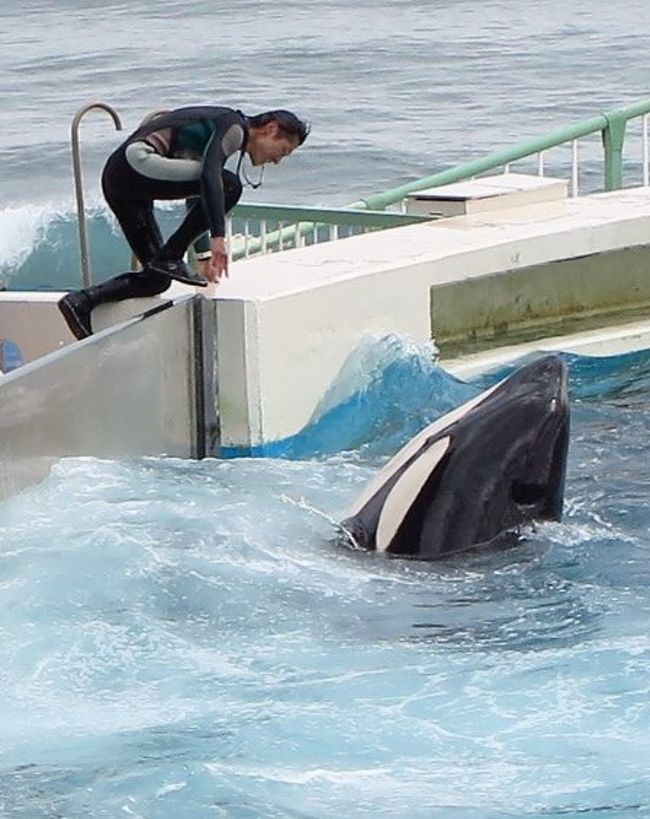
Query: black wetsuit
(176,155)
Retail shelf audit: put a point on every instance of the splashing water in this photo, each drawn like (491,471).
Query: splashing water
(182,639)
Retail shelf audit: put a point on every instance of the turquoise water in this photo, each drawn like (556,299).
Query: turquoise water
(185,640)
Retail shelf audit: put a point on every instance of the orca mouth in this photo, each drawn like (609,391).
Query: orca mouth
(545,492)
(528,494)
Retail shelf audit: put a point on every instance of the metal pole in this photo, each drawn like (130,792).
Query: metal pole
(644,150)
(613,138)
(78,183)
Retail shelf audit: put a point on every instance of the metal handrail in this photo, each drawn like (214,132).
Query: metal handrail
(86,276)
(611,125)
(325,216)
(304,221)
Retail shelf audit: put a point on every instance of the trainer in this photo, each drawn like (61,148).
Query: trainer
(176,155)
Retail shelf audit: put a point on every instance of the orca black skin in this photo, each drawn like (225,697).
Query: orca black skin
(487,467)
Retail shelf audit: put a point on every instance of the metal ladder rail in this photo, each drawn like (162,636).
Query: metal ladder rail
(86,275)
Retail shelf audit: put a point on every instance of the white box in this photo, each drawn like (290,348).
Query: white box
(486,193)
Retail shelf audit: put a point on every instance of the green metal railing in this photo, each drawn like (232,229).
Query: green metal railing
(277,227)
(611,125)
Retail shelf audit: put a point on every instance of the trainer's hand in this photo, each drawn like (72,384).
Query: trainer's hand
(219,262)
(203,266)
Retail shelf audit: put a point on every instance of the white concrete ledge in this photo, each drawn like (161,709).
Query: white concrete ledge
(486,242)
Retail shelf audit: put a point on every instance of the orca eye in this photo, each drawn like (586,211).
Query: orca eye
(527,494)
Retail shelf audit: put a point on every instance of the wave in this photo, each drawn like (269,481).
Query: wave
(39,244)
(391,387)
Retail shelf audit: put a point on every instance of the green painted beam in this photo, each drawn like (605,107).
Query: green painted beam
(613,139)
(308,219)
(325,216)
(611,124)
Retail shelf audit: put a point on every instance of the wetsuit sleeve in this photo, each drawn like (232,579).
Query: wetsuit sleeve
(202,247)
(228,137)
(202,244)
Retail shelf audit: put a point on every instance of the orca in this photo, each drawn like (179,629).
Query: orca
(484,469)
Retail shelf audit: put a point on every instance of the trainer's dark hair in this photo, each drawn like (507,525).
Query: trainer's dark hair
(288,123)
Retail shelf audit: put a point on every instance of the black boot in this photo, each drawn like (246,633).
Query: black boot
(77,305)
(177,269)
(76,308)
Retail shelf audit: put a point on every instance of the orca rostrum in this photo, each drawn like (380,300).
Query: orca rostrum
(486,468)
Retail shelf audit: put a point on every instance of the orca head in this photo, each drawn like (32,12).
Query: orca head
(485,468)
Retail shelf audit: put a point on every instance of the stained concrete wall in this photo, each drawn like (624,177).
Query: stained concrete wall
(496,307)
(130,390)
(33,321)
